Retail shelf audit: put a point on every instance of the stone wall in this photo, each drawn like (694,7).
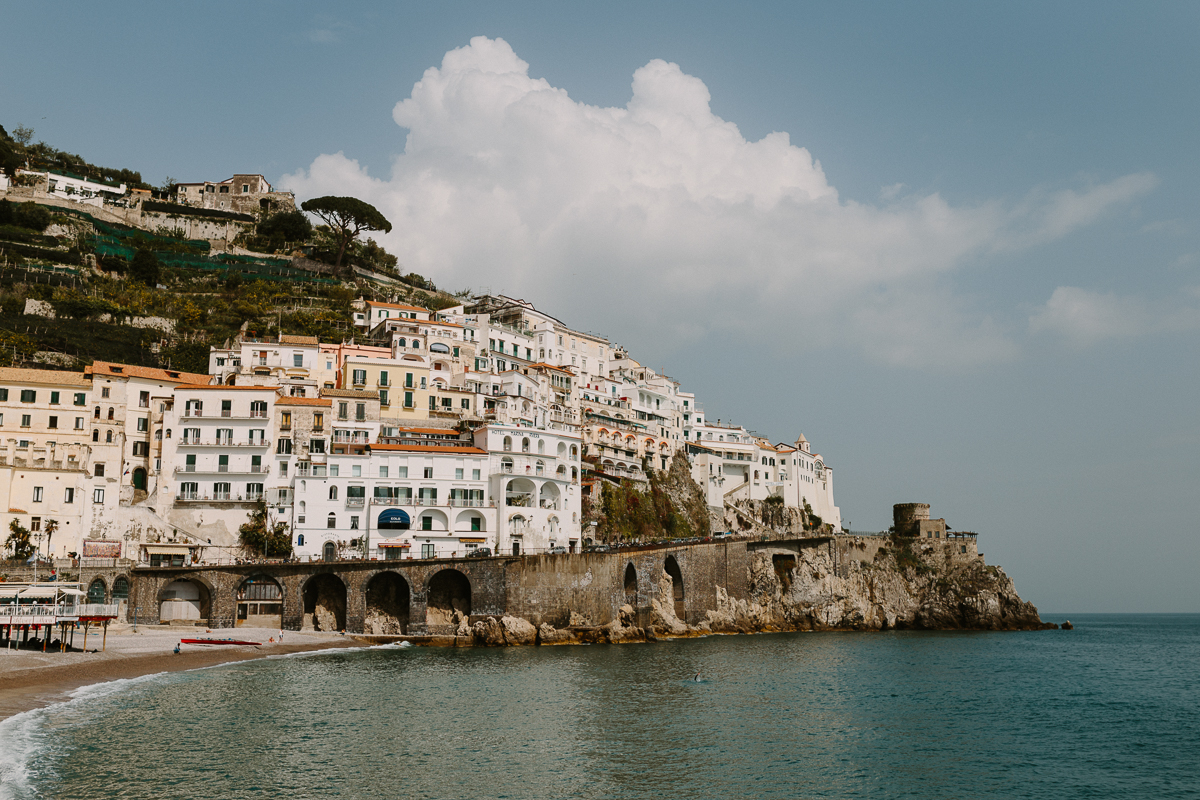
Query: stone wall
(828,582)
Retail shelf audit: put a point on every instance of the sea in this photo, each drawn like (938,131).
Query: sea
(1108,710)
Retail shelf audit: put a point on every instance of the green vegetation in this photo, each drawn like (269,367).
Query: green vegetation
(18,542)
(263,537)
(671,509)
(346,217)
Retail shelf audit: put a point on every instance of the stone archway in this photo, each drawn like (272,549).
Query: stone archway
(671,567)
(185,601)
(97,592)
(631,586)
(139,479)
(449,599)
(388,599)
(324,603)
(259,603)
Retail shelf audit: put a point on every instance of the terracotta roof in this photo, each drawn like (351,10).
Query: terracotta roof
(373,304)
(549,366)
(48,376)
(218,386)
(303,401)
(349,393)
(149,373)
(288,338)
(425,448)
(430,430)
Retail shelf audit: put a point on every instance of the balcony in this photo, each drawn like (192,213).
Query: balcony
(521,499)
(190,442)
(194,469)
(223,497)
(465,502)
(391,501)
(355,502)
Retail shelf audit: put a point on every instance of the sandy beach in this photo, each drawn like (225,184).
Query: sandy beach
(32,679)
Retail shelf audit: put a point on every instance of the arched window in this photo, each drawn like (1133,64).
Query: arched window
(541,467)
(95,434)
(332,496)
(553,525)
(508,443)
(541,445)
(331,522)
(158,435)
(168,433)
(302,506)
(402,343)
(96,415)
(120,588)
(110,412)
(755,474)
(525,445)
(300,540)
(108,437)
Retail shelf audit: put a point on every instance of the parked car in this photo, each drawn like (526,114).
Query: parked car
(557,550)
(597,548)
(480,552)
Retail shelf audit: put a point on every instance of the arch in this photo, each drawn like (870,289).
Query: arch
(508,443)
(525,443)
(97,592)
(333,492)
(449,599)
(549,496)
(95,434)
(470,522)
(438,521)
(539,468)
(108,437)
(438,347)
(541,446)
(631,585)
(506,464)
(520,492)
(324,603)
(120,588)
(516,525)
(329,551)
(561,472)
(388,601)
(562,449)
(401,342)
(184,600)
(139,479)
(260,602)
(110,412)
(671,567)
(553,525)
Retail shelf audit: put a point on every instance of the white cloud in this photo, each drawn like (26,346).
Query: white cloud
(660,219)
(1085,317)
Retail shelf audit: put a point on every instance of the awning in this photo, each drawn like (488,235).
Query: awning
(394,519)
(39,591)
(469,540)
(75,592)
(167,549)
(392,543)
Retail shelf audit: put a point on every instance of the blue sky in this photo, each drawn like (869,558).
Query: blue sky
(982,292)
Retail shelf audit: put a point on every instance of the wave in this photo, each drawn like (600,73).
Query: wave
(24,735)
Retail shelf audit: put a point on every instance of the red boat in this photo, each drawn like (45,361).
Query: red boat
(219,641)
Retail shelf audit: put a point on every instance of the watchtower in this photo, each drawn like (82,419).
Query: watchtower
(912,519)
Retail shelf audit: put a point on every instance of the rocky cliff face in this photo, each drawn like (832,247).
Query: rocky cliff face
(898,589)
(902,587)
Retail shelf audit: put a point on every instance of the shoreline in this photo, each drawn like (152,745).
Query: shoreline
(31,680)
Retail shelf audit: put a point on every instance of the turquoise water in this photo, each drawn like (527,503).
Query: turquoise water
(1111,709)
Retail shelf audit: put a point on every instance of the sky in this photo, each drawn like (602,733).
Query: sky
(956,245)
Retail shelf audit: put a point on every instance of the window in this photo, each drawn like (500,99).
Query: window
(360,377)
(356,471)
(97,495)
(144,400)
(96,435)
(458,474)
(141,449)
(331,521)
(143,424)
(26,420)
(98,470)
(54,398)
(254,491)
(408,399)
(343,410)
(37,494)
(383,377)
(78,422)
(53,423)
(353,523)
(426,523)
(383,472)
(108,437)
(297,359)
(408,380)
(428,473)
(316,445)
(284,447)
(318,421)
(474,474)
(285,420)
(104,391)
(28,396)
(360,411)
(4,395)
(427,551)
(383,397)
(402,472)
(221,491)
(432,403)
(222,463)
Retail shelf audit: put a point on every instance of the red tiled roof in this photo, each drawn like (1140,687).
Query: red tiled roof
(424,448)
(150,373)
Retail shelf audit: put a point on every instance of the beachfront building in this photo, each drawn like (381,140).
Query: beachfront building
(217,441)
(533,478)
(289,361)
(46,480)
(421,493)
